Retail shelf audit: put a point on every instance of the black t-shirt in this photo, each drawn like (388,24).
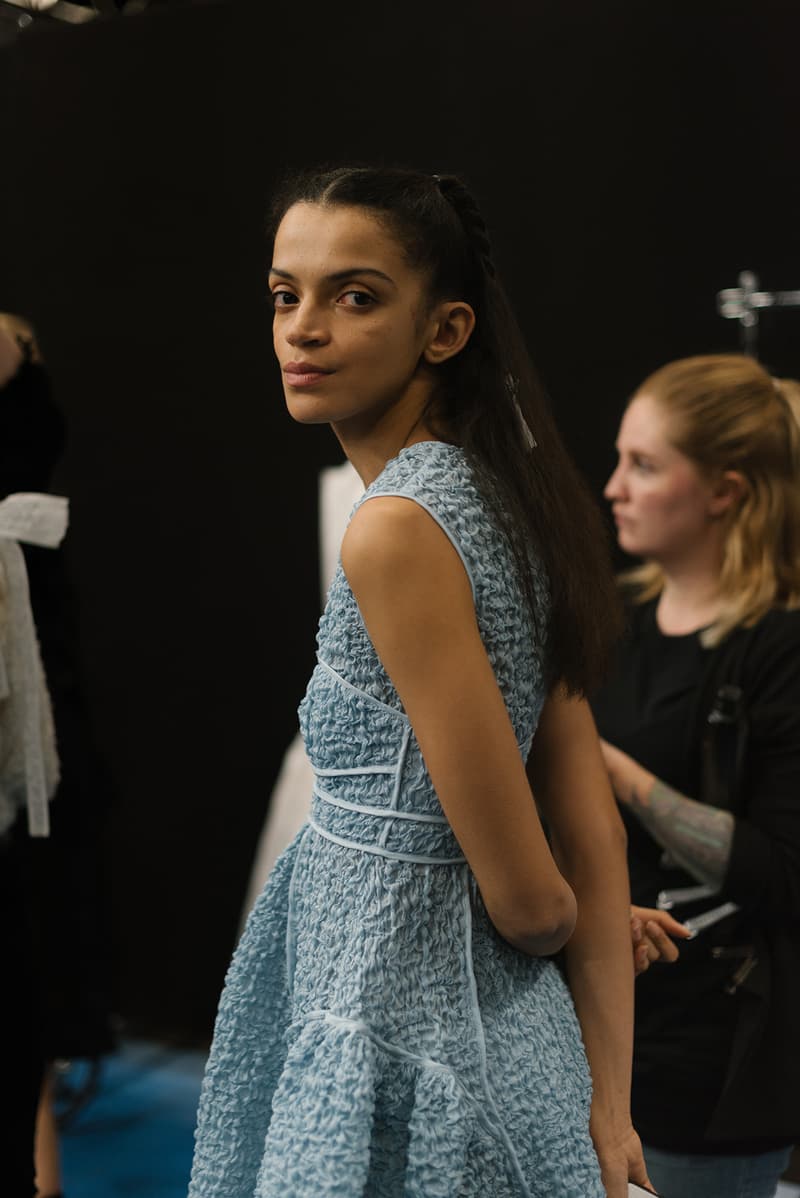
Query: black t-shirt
(685,1021)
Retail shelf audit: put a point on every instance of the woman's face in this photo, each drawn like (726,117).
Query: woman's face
(351,316)
(663,506)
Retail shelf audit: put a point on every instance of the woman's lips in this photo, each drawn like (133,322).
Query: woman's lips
(304,376)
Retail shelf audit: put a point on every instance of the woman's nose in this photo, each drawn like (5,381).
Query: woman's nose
(306,327)
(614,487)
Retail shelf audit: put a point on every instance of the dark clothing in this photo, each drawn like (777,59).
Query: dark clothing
(709,1075)
(65,893)
(22,1050)
(31,431)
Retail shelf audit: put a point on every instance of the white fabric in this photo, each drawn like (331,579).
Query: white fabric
(34,518)
(29,768)
(339,488)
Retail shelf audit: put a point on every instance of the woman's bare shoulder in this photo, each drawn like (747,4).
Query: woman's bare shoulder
(392,537)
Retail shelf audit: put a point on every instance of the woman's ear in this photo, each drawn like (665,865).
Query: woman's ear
(451,326)
(729,491)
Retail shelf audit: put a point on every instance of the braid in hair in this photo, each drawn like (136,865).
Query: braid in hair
(515,439)
(489,402)
(456,194)
(501,444)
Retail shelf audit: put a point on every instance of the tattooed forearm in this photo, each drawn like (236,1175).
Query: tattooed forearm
(697,836)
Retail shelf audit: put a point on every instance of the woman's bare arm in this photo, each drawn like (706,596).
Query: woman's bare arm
(696,835)
(571,785)
(416,602)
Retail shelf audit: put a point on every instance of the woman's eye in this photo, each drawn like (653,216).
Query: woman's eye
(644,465)
(283,299)
(356,299)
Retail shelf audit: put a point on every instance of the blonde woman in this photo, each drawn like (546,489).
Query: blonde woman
(701,728)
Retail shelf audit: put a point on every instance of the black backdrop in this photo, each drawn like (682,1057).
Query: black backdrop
(630,162)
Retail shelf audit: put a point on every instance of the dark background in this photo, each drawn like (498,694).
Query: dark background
(629,161)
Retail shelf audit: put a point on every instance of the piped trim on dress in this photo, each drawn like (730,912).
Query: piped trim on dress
(380,851)
(434,516)
(400,715)
(354,770)
(401,761)
(403,1054)
(291,918)
(383,812)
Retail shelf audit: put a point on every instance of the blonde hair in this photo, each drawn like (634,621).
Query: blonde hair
(790,390)
(727,413)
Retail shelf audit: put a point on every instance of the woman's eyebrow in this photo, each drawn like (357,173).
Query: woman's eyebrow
(339,275)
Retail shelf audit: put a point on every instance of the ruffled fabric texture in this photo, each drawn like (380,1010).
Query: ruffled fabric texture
(375,1036)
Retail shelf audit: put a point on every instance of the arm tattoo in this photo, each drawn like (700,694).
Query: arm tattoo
(697,836)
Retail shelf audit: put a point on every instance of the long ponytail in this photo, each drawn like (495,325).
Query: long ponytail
(491,403)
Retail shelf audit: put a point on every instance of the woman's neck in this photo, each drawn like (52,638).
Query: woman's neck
(371,440)
(690,599)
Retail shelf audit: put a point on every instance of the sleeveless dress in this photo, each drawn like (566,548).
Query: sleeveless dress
(376,1036)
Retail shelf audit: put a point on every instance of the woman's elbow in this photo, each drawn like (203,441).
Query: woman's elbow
(541,927)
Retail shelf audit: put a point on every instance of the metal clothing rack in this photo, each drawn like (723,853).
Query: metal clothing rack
(743,303)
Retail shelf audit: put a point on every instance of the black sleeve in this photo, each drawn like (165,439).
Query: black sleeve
(764,867)
(32,431)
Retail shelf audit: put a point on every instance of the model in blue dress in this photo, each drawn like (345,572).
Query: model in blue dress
(393,1024)
(376,1035)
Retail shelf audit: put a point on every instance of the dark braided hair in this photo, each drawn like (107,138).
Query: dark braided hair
(490,402)
(474,225)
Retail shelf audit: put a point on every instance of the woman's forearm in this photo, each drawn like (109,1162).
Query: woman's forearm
(588,840)
(599,966)
(696,835)
(569,779)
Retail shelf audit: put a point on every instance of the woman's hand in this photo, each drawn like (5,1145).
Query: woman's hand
(650,931)
(630,781)
(619,1152)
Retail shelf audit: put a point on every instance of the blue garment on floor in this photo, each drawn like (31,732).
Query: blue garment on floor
(376,1036)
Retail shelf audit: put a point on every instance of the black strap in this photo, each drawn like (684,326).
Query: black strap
(723,716)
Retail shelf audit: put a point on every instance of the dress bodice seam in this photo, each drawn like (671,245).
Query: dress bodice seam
(400,715)
(403,1054)
(380,812)
(434,515)
(353,771)
(379,850)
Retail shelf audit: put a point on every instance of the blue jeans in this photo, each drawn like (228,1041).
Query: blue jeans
(676,1175)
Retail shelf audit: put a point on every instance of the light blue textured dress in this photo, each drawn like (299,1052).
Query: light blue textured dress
(376,1036)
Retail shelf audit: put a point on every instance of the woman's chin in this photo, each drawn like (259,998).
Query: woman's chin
(306,411)
(629,543)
